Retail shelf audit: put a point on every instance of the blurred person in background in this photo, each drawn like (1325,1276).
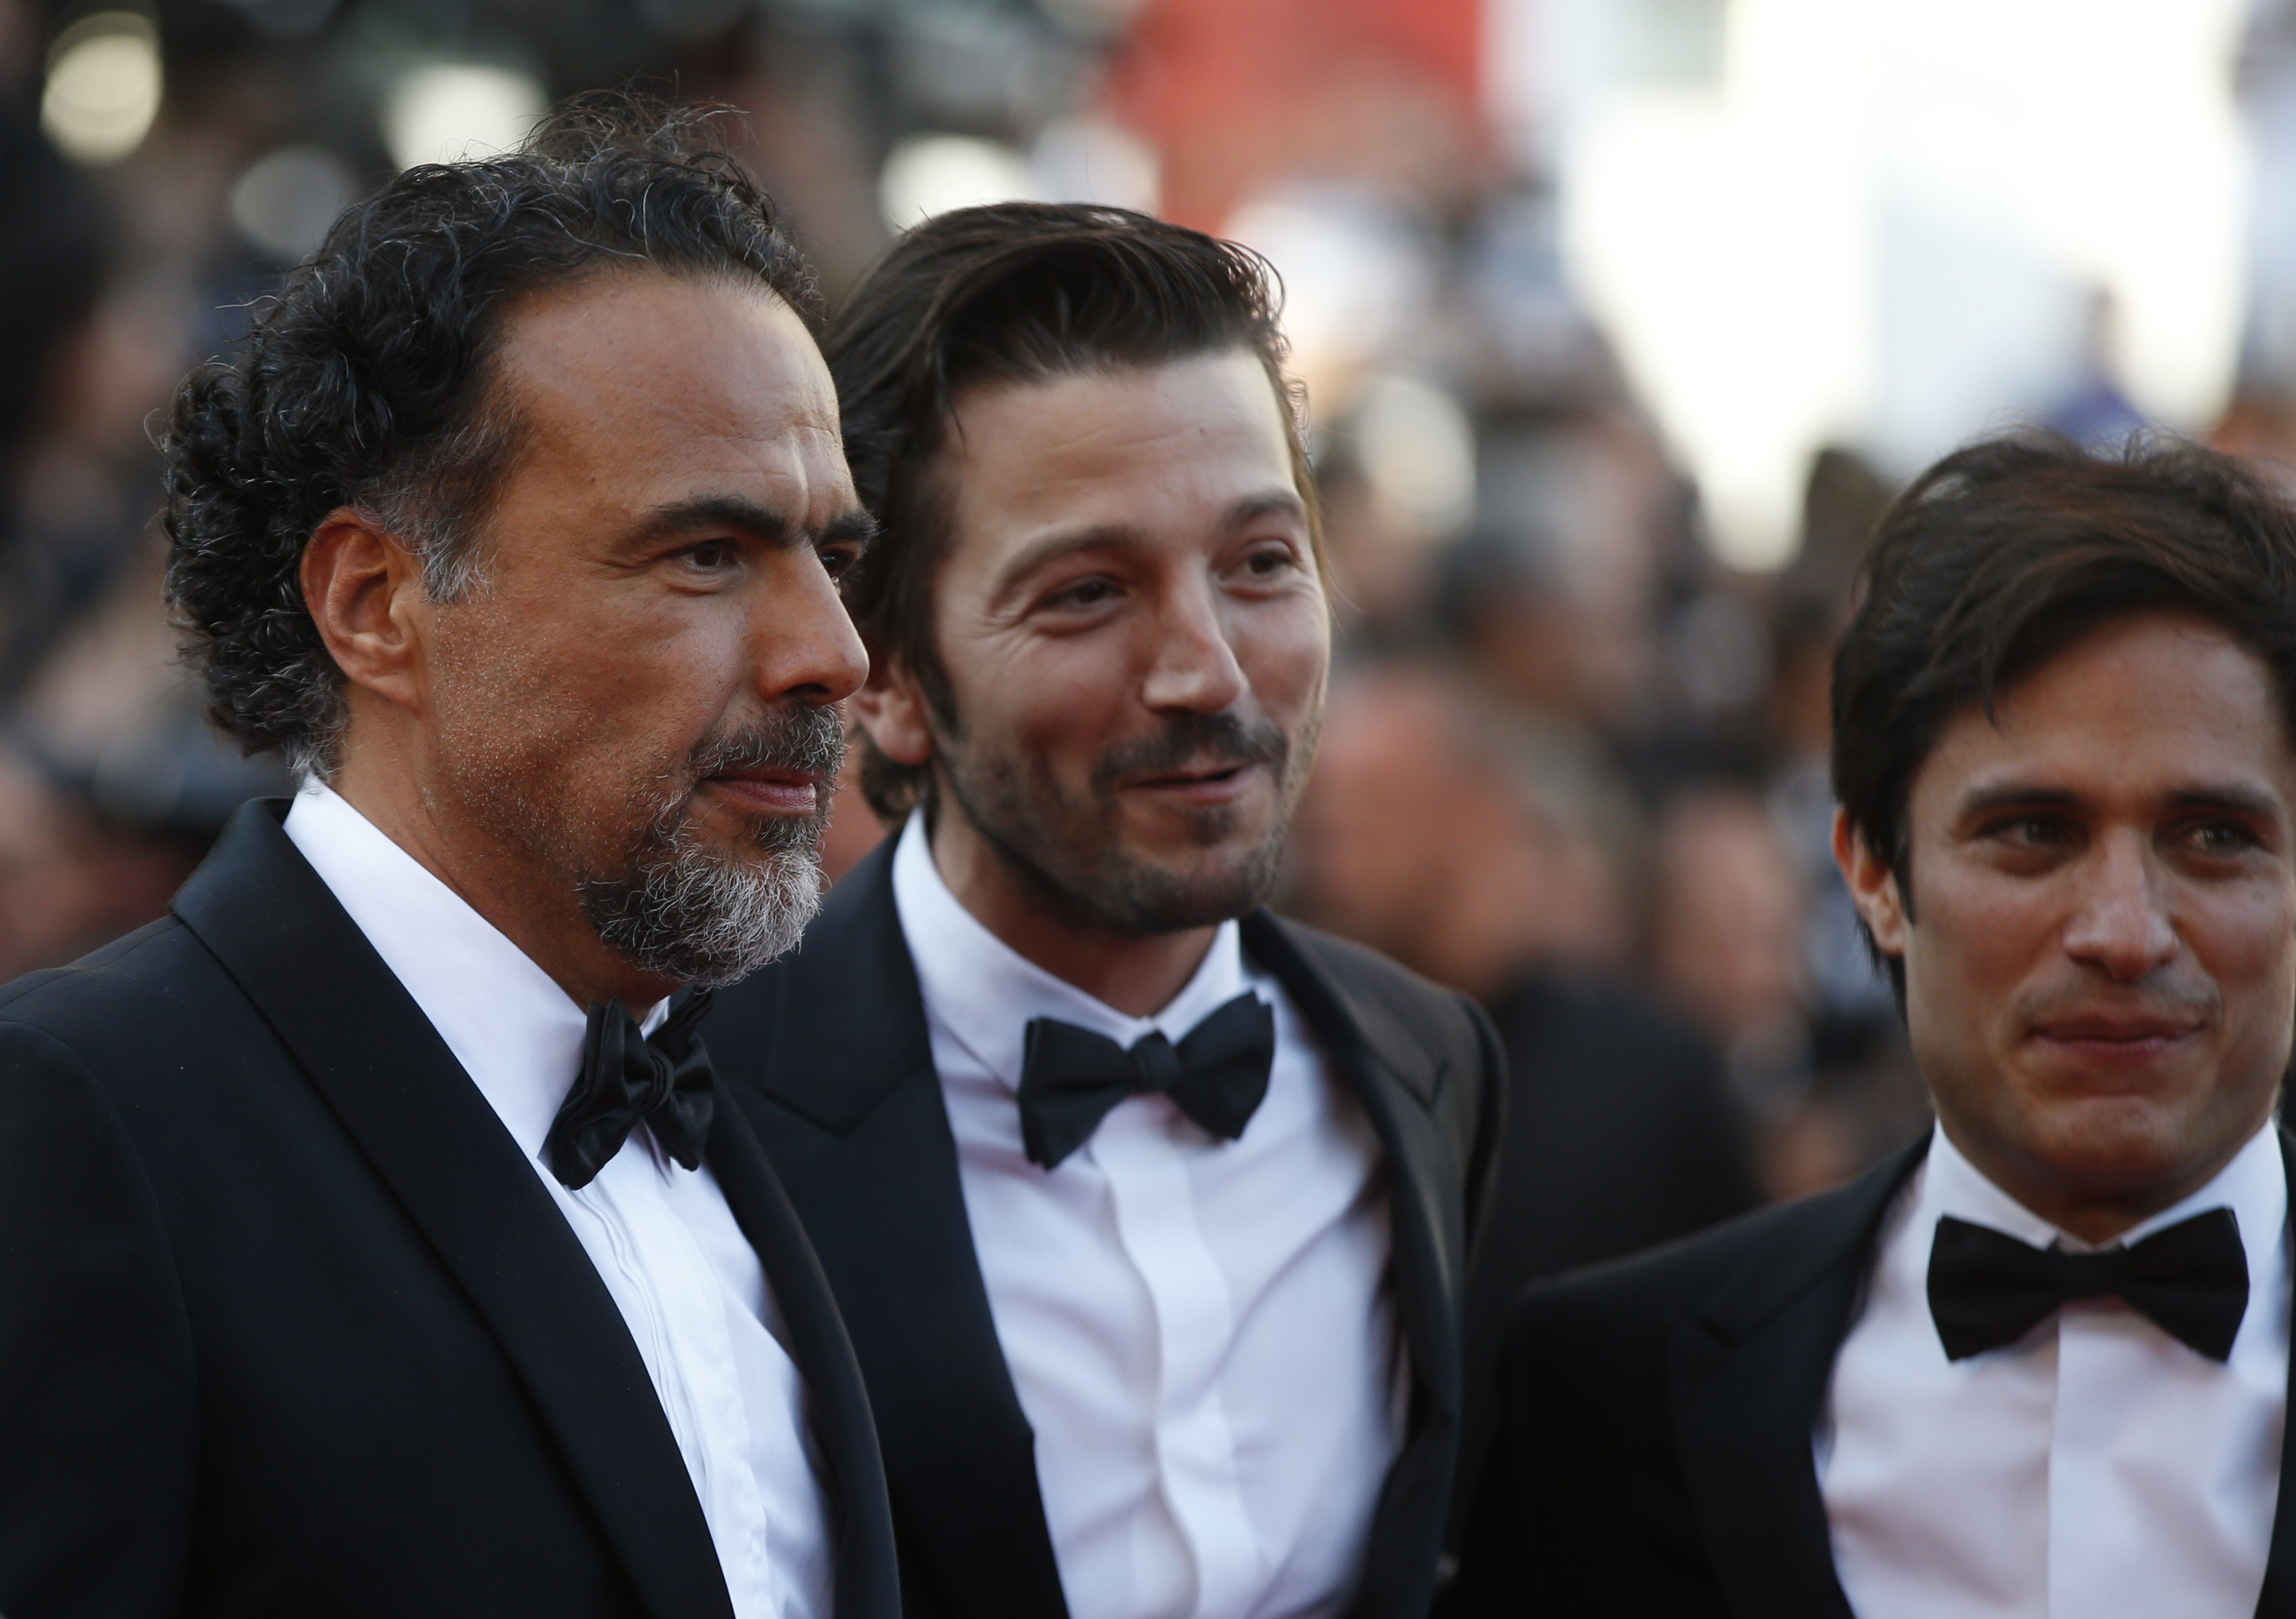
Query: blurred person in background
(1149,1212)
(1730,948)
(2037,1363)
(1436,829)
(354,1268)
(1726,949)
(1864,1099)
(1554,599)
(122,784)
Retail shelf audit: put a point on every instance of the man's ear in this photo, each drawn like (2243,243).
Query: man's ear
(1872,887)
(365,591)
(891,709)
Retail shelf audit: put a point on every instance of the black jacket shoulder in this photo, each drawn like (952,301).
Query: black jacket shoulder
(1390,1001)
(1662,1286)
(1631,1392)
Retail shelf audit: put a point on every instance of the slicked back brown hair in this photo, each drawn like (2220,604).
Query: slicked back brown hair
(2005,553)
(1017,292)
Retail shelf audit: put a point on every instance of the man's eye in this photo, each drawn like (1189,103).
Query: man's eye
(711,555)
(1085,592)
(2221,837)
(839,561)
(2029,832)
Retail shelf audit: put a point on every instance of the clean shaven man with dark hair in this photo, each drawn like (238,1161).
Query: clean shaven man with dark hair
(373,1241)
(2037,1366)
(1148,1211)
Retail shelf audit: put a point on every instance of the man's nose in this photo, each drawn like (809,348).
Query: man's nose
(803,645)
(1193,664)
(2122,924)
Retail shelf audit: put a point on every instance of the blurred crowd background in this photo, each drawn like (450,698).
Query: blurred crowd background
(1620,321)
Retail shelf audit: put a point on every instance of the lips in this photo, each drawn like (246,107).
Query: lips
(1205,783)
(2108,1039)
(771,790)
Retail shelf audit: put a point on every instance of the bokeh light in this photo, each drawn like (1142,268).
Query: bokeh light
(931,174)
(104,85)
(286,199)
(443,111)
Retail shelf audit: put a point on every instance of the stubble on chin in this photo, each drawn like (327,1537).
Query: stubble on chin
(1072,850)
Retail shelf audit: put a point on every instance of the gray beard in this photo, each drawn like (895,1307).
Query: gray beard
(697,915)
(684,911)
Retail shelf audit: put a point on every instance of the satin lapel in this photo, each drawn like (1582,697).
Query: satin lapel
(1748,1381)
(867,1584)
(849,1108)
(1395,1085)
(259,906)
(2278,1599)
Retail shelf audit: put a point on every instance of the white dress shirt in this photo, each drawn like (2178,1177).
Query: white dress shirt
(687,1282)
(2097,1466)
(1200,1331)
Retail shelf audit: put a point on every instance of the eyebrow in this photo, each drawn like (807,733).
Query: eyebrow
(719,512)
(2215,795)
(1116,536)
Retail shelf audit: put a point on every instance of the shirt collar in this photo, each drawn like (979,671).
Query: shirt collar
(517,1034)
(2254,1186)
(983,992)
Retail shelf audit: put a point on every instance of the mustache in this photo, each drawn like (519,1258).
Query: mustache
(2169,999)
(1220,740)
(796,736)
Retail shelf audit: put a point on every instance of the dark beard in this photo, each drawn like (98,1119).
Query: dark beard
(684,910)
(1065,850)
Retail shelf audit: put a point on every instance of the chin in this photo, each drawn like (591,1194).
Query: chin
(2115,1143)
(1197,888)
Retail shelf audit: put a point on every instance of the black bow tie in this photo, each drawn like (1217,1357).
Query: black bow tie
(629,1079)
(1070,1077)
(1988,1290)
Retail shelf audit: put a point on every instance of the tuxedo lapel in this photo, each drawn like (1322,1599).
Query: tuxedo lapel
(852,1109)
(1748,1380)
(2278,1599)
(291,948)
(866,1581)
(1396,1081)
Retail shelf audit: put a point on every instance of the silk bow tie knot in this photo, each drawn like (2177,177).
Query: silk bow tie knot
(1071,1077)
(1988,1290)
(663,1081)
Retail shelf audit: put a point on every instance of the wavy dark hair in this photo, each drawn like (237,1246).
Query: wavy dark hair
(365,381)
(1015,291)
(2005,553)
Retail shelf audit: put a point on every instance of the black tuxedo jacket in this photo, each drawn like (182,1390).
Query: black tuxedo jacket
(829,1047)
(1656,1456)
(290,1328)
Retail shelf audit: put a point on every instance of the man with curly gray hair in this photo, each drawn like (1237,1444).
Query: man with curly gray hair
(372,1240)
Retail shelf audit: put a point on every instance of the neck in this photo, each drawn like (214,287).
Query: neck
(2094,1208)
(531,905)
(1137,974)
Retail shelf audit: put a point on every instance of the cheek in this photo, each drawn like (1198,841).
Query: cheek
(1041,696)
(2248,945)
(1974,940)
(1285,649)
(579,698)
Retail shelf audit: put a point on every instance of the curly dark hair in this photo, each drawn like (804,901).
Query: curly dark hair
(1014,291)
(2002,554)
(365,381)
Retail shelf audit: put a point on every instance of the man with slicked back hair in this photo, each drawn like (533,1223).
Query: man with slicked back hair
(1148,1210)
(2036,1365)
